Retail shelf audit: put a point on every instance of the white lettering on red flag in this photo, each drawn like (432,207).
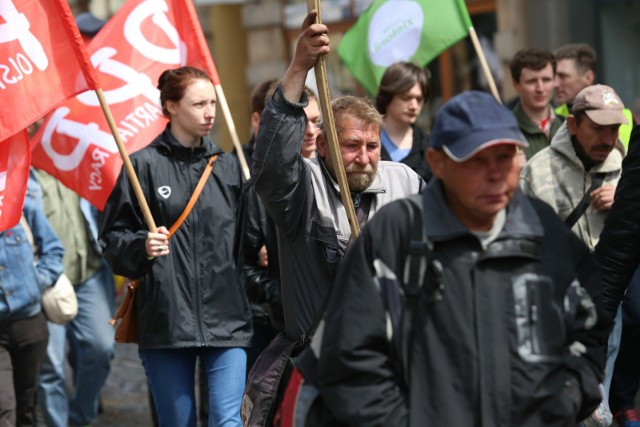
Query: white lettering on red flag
(142,40)
(42,61)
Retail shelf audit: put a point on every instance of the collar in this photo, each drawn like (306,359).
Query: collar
(529,126)
(562,143)
(168,143)
(586,161)
(522,220)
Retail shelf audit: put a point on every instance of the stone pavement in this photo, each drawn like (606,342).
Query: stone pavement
(125,401)
(124,398)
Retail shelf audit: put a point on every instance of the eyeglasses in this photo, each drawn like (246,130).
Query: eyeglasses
(317,124)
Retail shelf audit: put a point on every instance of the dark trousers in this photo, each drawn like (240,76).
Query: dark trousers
(626,374)
(263,333)
(23,346)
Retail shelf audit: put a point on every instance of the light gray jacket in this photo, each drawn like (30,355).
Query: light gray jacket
(556,176)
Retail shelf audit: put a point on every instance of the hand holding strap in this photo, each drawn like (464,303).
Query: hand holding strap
(582,206)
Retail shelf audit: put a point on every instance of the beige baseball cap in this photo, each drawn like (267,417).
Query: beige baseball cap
(602,104)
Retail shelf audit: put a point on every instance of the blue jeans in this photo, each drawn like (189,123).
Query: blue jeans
(613,347)
(91,351)
(171,376)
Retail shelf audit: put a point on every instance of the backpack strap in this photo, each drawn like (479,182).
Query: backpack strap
(417,264)
(582,206)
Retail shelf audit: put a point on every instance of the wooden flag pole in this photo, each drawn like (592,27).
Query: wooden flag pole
(483,63)
(232,130)
(128,167)
(330,131)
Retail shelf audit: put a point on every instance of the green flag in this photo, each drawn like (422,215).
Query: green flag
(401,30)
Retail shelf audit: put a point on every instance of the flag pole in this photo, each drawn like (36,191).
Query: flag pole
(232,130)
(483,63)
(330,132)
(128,167)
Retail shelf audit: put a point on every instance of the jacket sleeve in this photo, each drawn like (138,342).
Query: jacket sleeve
(586,323)
(123,232)
(618,250)
(240,192)
(356,376)
(260,287)
(278,170)
(588,328)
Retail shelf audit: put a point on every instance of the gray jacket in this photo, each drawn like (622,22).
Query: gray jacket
(305,204)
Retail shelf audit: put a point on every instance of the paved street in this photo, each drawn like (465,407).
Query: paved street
(124,397)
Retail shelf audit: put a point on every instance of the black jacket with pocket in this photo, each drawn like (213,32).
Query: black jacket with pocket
(511,338)
(194,296)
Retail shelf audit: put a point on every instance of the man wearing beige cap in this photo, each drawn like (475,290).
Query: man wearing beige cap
(576,69)
(585,156)
(578,173)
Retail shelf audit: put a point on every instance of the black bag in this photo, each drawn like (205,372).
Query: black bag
(266,380)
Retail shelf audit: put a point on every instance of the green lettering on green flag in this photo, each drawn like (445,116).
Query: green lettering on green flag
(401,30)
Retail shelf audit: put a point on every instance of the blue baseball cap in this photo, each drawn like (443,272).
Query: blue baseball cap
(473,121)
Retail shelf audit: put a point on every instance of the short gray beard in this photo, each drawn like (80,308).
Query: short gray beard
(357,182)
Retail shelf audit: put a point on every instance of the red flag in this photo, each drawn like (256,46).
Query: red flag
(130,52)
(14,172)
(42,61)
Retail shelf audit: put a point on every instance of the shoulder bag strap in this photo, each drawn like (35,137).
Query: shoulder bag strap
(194,196)
(582,206)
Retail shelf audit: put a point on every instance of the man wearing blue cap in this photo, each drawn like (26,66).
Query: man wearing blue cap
(452,308)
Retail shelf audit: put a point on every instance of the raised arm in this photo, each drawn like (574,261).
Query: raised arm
(278,171)
(313,42)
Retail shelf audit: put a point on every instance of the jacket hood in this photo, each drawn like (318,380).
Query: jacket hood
(561,143)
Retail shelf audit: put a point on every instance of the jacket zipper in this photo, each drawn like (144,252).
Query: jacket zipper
(533,320)
(195,264)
